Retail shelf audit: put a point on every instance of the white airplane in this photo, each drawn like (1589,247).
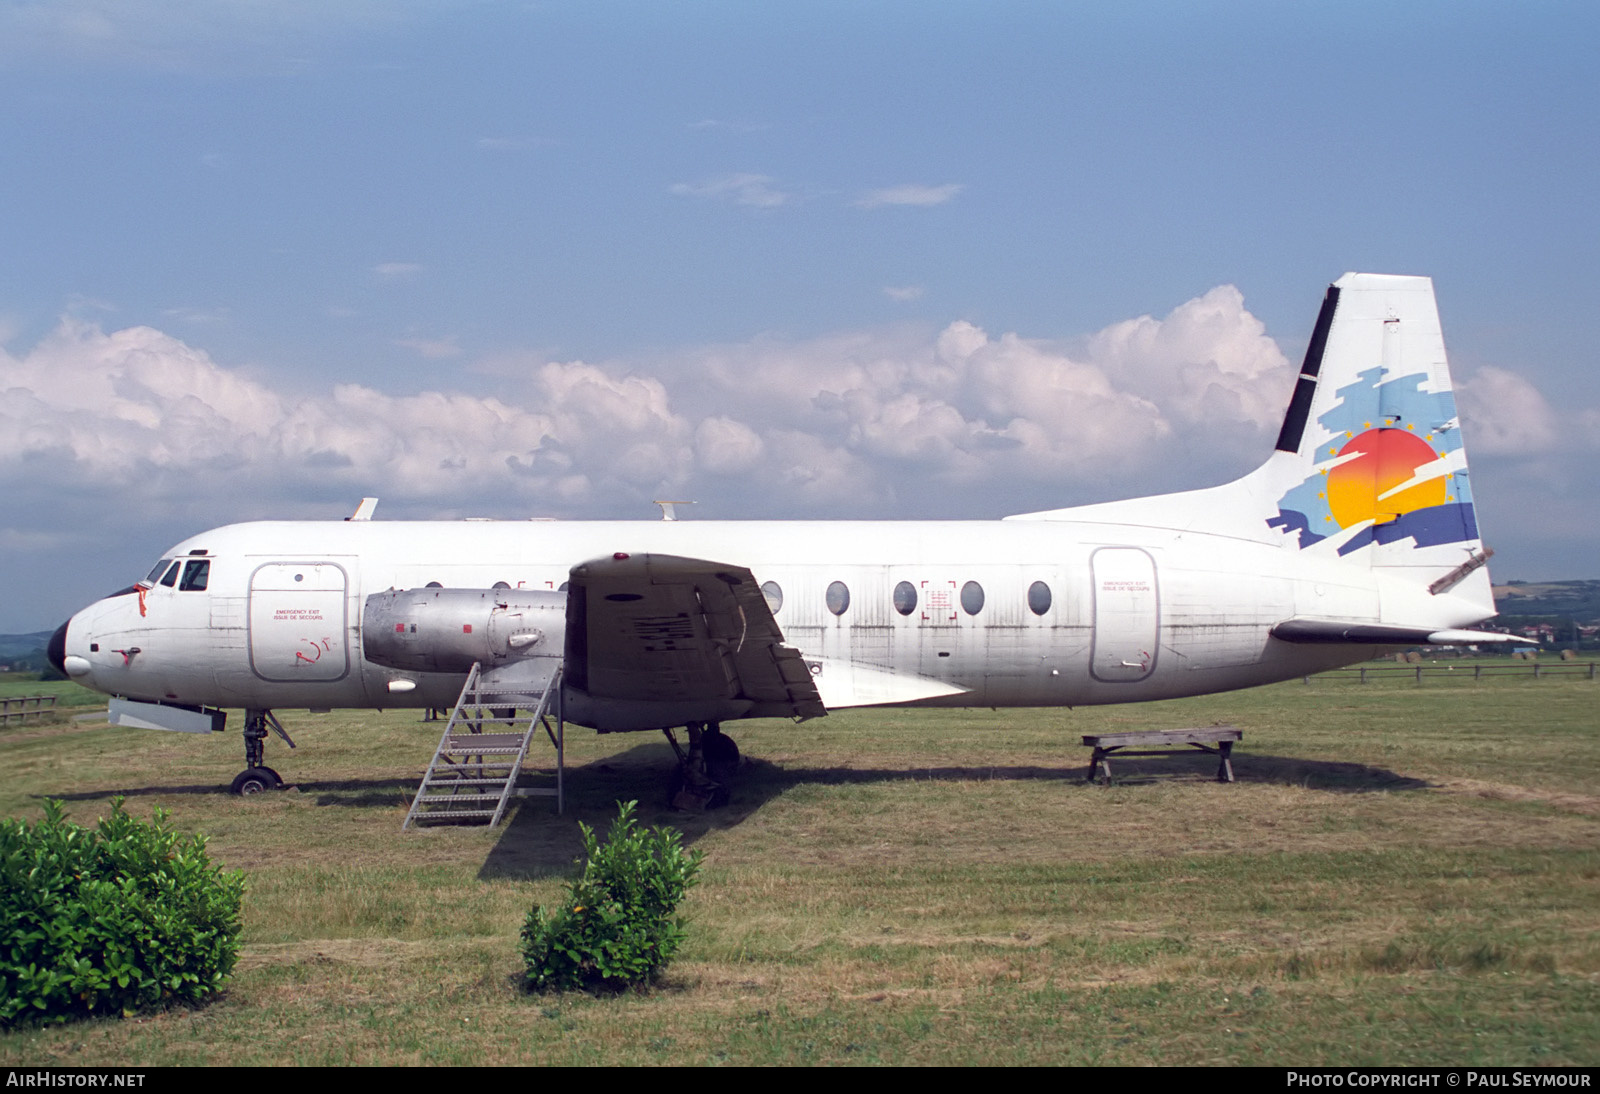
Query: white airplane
(1357,532)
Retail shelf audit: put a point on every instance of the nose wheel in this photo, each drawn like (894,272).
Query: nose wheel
(257,777)
(256,780)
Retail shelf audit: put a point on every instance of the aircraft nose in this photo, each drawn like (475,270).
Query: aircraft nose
(56,651)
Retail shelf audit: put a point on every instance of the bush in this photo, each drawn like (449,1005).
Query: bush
(110,920)
(616,928)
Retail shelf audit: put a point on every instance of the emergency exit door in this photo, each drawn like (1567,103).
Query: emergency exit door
(298,629)
(1127,614)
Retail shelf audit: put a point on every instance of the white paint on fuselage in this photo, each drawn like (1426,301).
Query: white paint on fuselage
(1214,600)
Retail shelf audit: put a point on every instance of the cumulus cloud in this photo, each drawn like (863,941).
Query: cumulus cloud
(910,194)
(139,436)
(890,422)
(903,293)
(741,189)
(135,432)
(1209,363)
(1504,413)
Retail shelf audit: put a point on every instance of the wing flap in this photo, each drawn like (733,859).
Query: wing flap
(662,628)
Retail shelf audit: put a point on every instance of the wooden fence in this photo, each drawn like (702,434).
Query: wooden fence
(1460,672)
(38,707)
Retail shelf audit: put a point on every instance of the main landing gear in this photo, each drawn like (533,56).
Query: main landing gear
(701,779)
(257,776)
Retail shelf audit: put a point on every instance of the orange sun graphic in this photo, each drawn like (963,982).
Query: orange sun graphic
(1385,458)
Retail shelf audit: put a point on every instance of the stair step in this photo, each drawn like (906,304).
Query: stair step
(469,758)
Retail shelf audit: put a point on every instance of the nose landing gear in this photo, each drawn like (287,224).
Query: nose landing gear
(257,777)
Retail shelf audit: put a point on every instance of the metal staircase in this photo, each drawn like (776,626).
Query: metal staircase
(474,773)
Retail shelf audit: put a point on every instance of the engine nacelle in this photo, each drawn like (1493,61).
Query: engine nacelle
(446,630)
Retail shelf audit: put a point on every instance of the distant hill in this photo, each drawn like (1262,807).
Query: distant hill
(1577,600)
(15,647)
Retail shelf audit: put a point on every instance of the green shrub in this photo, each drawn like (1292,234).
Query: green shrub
(616,927)
(111,919)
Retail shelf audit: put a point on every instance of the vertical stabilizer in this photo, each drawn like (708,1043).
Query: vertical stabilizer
(1371,451)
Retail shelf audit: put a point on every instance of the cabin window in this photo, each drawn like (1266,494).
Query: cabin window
(972,598)
(774,594)
(905,598)
(838,598)
(172,575)
(196,575)
(1038,598)
(160,568)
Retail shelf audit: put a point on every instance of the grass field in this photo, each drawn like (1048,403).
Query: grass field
(1403,874)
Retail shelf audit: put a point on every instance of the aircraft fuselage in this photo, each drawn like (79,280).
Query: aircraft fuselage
(1003,613)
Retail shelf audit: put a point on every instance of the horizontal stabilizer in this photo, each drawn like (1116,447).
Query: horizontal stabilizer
(1377,634)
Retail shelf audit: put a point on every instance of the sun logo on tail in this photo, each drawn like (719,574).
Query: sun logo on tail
(1380,477)
(1389,466)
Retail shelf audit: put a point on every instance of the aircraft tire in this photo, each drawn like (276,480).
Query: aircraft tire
(256,780)
(722,756)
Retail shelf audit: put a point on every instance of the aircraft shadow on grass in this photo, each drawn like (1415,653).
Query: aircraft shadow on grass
(534,842)
(531,845)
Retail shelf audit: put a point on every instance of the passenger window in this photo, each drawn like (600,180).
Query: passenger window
(774,594)
(905,598)
(838,598)
(1038,598)
(972,598)
(196,573)
(172,575)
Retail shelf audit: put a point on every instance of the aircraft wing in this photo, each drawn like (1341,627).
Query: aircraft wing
(662,629)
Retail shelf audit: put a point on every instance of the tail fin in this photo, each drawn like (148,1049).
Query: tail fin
(1370,455)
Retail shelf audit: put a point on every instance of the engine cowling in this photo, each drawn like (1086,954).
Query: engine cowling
(446,630)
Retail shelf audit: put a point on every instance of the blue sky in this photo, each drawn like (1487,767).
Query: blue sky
(258,259)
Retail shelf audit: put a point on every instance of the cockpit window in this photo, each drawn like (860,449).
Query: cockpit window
(160,568)
(196,572)
(172,575)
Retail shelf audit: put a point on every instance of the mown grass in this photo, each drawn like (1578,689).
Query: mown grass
(1401,875)
(67,693)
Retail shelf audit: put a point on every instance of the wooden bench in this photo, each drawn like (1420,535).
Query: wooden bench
(1217,740)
